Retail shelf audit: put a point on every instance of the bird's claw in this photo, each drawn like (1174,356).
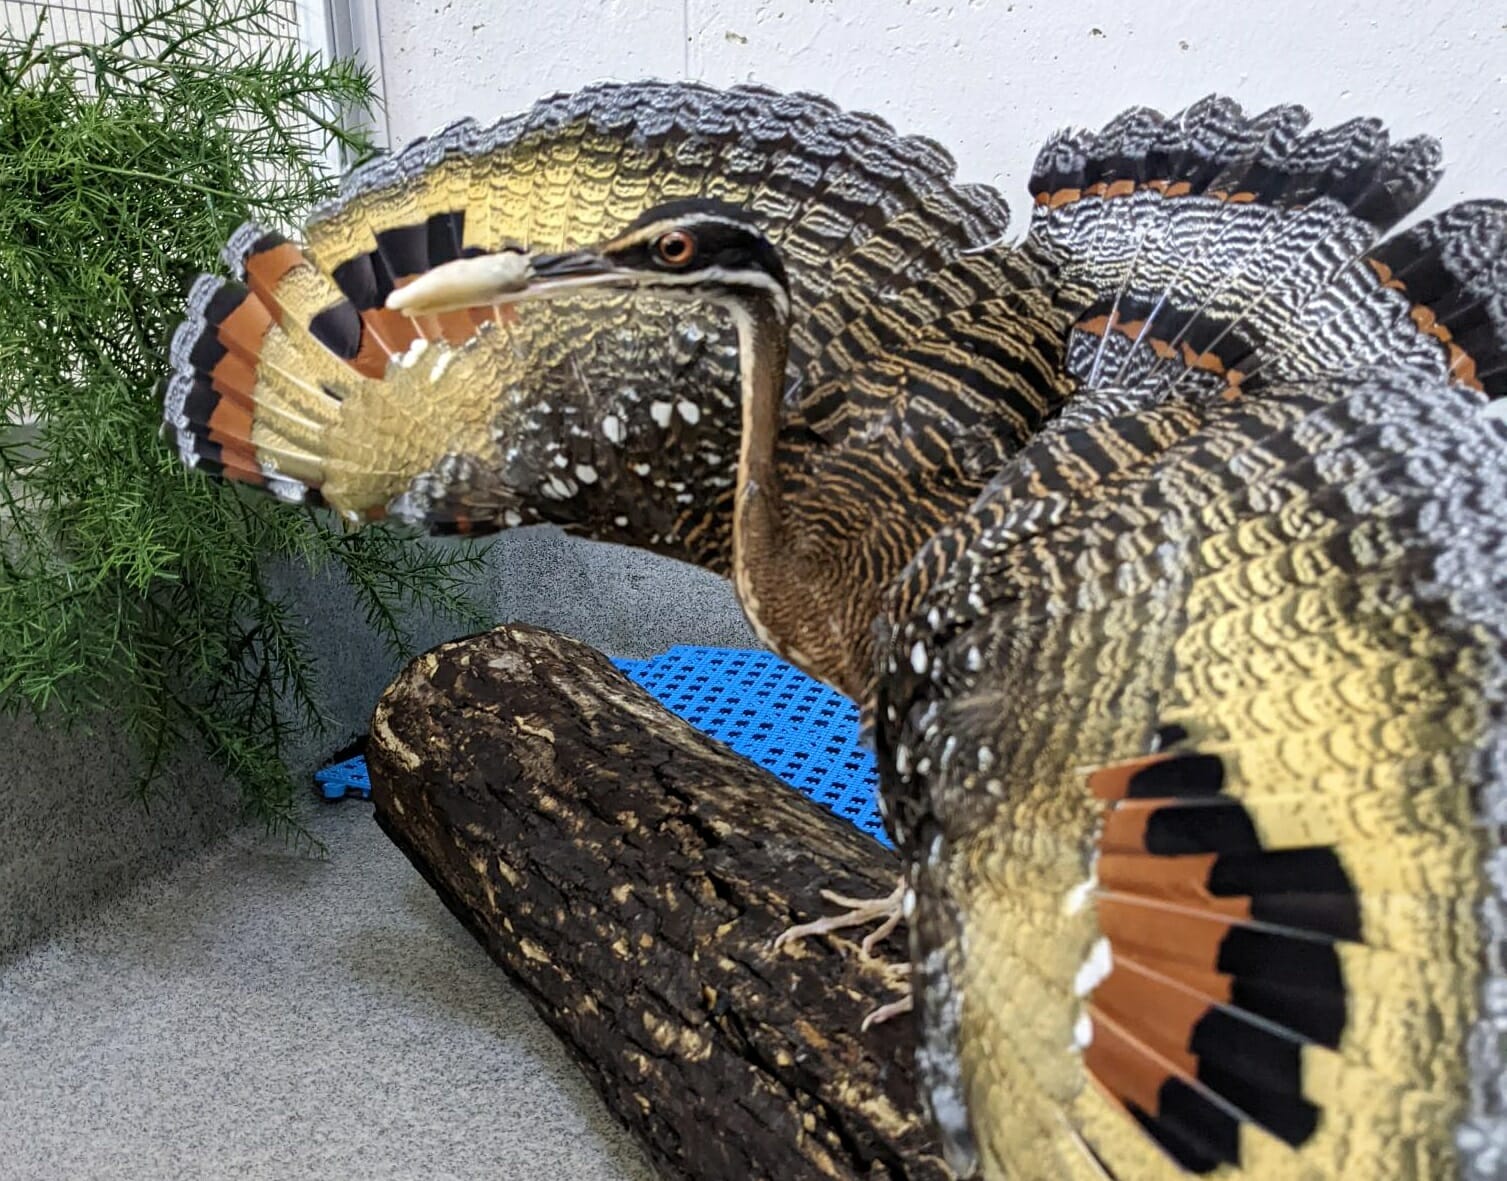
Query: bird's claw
(894,1009)
(857,912)
(885,911)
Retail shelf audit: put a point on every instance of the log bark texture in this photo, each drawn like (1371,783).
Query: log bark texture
(629,874)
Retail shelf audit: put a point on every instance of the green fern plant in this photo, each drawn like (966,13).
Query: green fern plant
(127,584)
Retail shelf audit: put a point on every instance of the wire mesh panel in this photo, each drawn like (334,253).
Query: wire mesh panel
(60,22)
(280,26)
(91,22)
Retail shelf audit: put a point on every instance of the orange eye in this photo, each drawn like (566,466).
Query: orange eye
(676,248)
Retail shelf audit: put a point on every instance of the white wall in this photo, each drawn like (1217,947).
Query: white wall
(988,78)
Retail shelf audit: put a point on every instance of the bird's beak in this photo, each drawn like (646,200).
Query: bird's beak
(508,277)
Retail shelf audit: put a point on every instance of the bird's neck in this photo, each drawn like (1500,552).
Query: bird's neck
(763,347)
(758,524)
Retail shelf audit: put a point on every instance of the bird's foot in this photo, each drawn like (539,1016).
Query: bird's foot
(860,912)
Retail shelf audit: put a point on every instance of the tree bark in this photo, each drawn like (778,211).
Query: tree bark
(629,874)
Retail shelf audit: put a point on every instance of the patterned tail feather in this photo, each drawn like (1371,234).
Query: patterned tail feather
(1205,249)
(1453,271)
(237,406)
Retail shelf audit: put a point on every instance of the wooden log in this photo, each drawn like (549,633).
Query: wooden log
(630,874)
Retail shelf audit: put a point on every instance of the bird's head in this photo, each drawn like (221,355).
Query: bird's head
(698,248)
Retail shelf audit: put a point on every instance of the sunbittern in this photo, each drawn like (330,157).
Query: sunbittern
(1163,547)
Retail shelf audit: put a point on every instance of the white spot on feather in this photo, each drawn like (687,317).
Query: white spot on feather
(558,489)
(282,487)
(918,659)
(1077,898)
(689,411)
(620,522)
(660,412)
(612,427)
(1095,969)
(642,469)
(586,473)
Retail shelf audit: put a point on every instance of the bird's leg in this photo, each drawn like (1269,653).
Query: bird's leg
(860,912)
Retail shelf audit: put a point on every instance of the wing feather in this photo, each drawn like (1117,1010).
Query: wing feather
(1274,936)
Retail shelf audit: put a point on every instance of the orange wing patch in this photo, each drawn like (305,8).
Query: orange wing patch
(1216,964)
(1221,357)
(1473,356)
(1125,187)
(360,329)
(219,400)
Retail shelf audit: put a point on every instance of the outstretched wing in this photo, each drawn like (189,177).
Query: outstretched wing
(295,375)
(1210,254)
(1191,728)
(1197,752)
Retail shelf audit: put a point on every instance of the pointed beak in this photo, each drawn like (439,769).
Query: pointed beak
(508,277)
(573,264)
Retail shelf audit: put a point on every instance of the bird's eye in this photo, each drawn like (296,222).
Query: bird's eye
(676,248)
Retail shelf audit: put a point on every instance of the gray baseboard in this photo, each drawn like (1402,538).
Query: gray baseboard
(71,833)
(71,836)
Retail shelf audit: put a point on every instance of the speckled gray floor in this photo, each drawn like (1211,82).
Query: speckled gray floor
(263,1014)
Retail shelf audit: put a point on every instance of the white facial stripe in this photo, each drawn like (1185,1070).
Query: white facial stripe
(657,280)
(744,279)
(687,221)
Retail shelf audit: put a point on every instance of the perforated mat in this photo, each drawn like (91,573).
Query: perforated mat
(764,709)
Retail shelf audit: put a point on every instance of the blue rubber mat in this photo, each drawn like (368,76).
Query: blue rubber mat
(764,709)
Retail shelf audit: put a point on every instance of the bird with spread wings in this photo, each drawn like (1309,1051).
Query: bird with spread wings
(1163,547)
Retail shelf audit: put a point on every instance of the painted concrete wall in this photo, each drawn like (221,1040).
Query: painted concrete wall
(988,78)
(624,602)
